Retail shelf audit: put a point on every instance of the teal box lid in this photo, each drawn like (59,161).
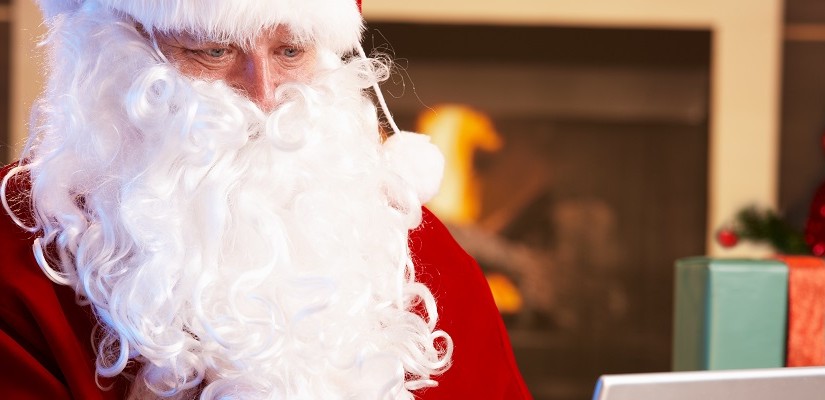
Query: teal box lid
(729,314)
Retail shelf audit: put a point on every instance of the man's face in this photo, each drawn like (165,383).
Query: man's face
(255,70)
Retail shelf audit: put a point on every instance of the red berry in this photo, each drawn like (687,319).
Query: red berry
(727,237)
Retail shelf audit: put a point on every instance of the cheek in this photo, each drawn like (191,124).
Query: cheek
(303,72)
(196,70)
(187,69)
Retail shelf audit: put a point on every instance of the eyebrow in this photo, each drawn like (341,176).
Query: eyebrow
(187,38)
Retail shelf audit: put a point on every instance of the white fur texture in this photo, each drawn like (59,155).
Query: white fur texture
(417,161)
(335,25)
(244,255)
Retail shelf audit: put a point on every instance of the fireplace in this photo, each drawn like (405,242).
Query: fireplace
(582,160)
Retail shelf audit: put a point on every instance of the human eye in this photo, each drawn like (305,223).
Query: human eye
(291,51)
(292,57)
(216,52)
(212,55)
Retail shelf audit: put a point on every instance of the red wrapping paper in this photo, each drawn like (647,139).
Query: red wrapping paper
(806,311)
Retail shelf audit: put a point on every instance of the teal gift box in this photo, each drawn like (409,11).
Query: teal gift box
(729,314)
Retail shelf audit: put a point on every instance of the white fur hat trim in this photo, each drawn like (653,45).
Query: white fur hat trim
(332,24)
(417,161)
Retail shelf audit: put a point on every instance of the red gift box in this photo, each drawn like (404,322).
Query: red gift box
(806,310)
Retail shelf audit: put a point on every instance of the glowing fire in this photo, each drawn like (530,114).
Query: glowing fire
(505,293)
(459,131)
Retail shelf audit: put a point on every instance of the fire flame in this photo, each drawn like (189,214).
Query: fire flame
(459,131)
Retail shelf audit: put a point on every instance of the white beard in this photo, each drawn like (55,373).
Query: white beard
(249,256)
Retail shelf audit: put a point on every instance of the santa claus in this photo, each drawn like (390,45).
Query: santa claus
(206,208)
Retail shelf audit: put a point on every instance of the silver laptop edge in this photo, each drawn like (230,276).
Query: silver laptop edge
(802,383)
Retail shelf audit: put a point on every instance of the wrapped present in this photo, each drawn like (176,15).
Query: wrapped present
(806,311)
(729,314)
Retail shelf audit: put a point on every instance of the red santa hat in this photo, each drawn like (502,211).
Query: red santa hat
(332,24)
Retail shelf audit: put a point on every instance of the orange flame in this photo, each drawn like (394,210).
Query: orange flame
(458,131)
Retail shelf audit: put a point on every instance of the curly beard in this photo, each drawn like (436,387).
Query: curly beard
(232,253)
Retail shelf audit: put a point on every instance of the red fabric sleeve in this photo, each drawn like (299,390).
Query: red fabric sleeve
(483,365)
(45,337)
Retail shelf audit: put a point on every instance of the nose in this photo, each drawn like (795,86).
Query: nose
(259,80)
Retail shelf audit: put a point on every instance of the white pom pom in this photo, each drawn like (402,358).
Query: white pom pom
(417,161)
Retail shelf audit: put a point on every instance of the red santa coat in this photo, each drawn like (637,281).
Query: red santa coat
(45,337)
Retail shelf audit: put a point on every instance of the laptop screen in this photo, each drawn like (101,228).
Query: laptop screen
(802,383)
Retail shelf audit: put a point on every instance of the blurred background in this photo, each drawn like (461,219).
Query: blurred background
(590,143)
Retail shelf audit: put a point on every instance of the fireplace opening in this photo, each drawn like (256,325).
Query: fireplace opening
(578,174)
